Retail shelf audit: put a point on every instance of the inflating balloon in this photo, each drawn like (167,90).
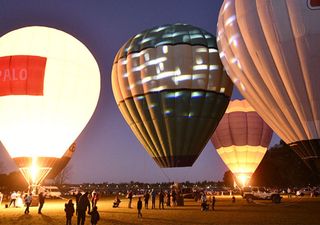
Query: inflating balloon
(171,89)
(49,88)
(241,139)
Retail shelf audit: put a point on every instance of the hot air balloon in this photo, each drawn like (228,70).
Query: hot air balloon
(241,139)
(49,88)
(61,163)
(171,89)
(271,51)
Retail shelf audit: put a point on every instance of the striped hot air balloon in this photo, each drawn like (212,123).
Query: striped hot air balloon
(171,89)
(271,50)
(241,139)
(49,88)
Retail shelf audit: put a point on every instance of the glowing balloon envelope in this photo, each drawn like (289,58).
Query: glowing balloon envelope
(49,88)
(171,89)
(241,139)
(271,50)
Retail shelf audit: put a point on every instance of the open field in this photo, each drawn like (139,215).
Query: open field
(291,211)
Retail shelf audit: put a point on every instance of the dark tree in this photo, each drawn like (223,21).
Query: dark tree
(281,167)
(228,178)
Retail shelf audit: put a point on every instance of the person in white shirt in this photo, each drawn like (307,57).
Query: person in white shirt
(13,199)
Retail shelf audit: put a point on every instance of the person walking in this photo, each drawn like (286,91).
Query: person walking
(41,202)
(161,200)
(153,198)
(13,198)
(28,200)
(69,209)
(83,206)
(139,207)
(130,195)
(146,199)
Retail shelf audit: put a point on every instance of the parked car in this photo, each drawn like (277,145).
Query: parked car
(256,193)
(51,191)
(308,191)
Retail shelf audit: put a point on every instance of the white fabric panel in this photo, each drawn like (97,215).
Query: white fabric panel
(169,67)
(271,51)
(45,126)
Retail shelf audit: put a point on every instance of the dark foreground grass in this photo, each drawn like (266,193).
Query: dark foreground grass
(292,211)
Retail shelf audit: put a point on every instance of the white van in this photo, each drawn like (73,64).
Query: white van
(51,191)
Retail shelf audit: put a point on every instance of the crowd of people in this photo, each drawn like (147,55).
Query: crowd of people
(86,204)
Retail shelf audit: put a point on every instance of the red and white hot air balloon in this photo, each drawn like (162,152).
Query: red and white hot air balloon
(242,139)
(49,88)
(271,50)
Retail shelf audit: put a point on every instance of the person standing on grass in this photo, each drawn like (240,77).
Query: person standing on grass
(13,199)
(161,200)
(83,205)
(94,199)
(153,198)
(1,198)
(28,200)
(41,202)
(174,197)
(69,209)
(139,207)
(95,216)
(146,199)
(130,195)
(213,202)
(78,195)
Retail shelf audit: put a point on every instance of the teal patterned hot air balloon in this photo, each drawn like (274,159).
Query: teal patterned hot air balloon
(171,89)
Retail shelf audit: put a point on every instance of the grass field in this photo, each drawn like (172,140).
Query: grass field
(291,211)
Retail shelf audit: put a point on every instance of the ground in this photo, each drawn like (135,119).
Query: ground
(293,211)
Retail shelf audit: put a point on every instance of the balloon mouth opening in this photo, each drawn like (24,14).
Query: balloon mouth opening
(243,179)
(35,169)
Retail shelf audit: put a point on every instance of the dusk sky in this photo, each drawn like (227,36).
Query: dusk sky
(107,150)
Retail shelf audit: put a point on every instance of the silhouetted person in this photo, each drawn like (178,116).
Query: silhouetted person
(28,200)
(78,195)
(95,216)
(174,197)
(130,195)
(161,200)
(139,207)
(153,198)
(69,209)
(94,199)
(213,202)
(233,199)
(146,199)
(168,199)
(116,201)
(83,205)
(41,202)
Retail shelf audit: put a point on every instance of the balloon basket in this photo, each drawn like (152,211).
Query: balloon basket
(35,201)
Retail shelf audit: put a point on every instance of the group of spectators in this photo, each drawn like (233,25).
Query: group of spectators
(84,204)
